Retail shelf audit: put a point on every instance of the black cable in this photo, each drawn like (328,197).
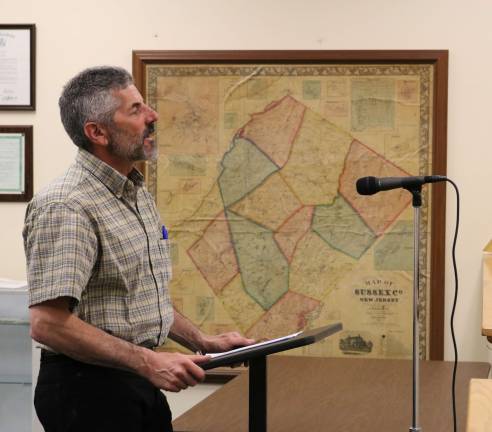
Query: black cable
(453,389)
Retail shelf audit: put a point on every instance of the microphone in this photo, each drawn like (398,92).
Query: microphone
(372,185)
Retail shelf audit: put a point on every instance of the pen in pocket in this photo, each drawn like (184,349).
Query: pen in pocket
(165,234)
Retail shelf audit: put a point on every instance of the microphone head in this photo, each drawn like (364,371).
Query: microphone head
(367,186)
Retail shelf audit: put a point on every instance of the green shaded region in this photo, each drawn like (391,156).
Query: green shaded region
(395,250)
(187,165)
(264,269)
(342,228)
(311,89)
(373,103)
(205,309)
(244,168)
(230,119)
(257,88)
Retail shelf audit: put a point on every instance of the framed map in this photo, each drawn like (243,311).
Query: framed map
(259,153)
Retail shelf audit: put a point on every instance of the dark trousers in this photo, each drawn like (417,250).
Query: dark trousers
(71,396)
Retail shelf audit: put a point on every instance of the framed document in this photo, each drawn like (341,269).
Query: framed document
(259,156)
(17,66)
(15,163)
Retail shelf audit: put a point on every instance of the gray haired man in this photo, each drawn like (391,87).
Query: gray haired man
(98,271)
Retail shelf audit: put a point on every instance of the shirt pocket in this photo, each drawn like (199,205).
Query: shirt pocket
(164,261)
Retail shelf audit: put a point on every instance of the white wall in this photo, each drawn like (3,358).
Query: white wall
(74,35)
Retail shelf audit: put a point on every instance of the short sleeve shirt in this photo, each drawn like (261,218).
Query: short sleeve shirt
(95,235)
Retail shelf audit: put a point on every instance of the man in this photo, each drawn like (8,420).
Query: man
(98,270)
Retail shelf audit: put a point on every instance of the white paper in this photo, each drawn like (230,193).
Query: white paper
(12,284)
(15,74)
(11,163)
(293,335)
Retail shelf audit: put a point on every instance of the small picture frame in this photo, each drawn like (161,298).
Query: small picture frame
(17,67)
(16,163)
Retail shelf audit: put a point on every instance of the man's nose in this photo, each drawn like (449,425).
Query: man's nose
(152,115)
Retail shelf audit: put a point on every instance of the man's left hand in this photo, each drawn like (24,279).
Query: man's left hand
(224,342)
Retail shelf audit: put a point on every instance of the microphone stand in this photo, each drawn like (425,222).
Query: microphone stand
(416,192)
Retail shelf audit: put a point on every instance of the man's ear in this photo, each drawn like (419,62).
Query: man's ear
(97,134)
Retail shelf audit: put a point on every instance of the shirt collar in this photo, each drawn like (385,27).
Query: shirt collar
(112,179)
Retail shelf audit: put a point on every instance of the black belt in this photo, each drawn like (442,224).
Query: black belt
(47,354)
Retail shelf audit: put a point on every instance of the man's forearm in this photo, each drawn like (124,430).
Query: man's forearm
(186,333)
(54,326)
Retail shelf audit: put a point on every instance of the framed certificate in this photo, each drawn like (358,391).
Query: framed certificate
(17,66)
(15,163)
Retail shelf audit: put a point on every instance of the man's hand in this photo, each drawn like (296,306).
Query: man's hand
(187,334)
(53,324)
(173,371)
(224,342)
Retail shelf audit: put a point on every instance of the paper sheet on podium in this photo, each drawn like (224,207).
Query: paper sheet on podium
(272,346)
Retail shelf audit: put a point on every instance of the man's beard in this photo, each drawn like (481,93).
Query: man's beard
(131,147)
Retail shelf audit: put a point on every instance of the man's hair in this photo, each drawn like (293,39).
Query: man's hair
(89,97)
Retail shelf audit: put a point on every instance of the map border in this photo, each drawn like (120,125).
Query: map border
(365,62)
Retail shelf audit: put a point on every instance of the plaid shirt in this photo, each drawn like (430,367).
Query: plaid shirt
(94,235)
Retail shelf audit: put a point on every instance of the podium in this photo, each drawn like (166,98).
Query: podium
(256,357)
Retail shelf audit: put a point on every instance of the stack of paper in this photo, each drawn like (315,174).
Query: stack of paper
(11,284)
(13,301)
(270,341)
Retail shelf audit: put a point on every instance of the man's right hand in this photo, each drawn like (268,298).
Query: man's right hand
(173,371)
(53,325)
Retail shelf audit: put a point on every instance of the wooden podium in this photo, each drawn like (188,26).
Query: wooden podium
(339,395)
(256,355)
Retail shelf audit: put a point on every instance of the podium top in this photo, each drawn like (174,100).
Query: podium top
(263,349)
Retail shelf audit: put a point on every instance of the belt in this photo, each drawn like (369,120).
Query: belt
(47,354)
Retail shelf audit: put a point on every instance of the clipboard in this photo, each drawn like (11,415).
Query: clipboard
(263,349)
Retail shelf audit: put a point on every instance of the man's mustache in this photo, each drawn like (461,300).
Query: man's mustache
(149,130)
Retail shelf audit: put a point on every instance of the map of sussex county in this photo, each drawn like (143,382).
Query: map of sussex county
(256,184)
(279,183)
